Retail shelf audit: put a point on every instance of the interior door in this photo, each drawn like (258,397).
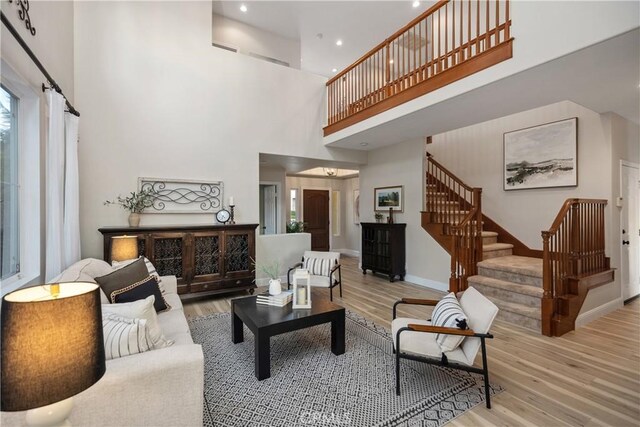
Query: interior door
(630,230)
(316,217)
(268,209)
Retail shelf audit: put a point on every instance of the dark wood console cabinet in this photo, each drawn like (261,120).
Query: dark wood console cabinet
(383,249)
(206,259)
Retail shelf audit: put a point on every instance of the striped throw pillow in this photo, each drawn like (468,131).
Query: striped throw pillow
(318,266)
(124,337)
(448,313)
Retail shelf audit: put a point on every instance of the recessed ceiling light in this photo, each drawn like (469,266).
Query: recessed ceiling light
(334,70)
(339,42)
(364,144)
(416,3)
(391,61)
(243,8)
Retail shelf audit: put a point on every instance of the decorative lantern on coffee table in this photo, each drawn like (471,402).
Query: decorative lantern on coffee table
(301,289)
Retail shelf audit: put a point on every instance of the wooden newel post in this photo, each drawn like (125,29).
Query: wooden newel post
(547,295)
(455,254)
(574,239)
(477,198)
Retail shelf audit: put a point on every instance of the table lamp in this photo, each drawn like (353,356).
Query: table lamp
(124,248)
(52,349)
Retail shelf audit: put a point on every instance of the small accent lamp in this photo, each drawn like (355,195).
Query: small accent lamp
(52,349)
(124,248)
(301,289)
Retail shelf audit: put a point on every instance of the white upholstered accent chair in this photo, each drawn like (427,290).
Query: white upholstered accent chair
(415,339)
(324,270)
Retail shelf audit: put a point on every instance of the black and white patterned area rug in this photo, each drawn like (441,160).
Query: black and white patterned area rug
(310,386)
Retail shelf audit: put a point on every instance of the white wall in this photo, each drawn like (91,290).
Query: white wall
(158,100)
(251,40)
(349,239)
(285,249)
(402,164)
(543,31)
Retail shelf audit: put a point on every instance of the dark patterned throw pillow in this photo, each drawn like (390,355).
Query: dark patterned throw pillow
(141,290)
(123,277)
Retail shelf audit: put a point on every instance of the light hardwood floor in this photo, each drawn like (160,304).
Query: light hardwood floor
(587,377)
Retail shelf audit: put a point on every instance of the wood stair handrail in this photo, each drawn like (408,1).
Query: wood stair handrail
(450,174)
(574,246)
(389,39)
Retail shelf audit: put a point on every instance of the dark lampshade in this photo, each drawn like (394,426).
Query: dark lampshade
(124,248)
(52,345)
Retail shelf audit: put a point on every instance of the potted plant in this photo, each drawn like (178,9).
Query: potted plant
(272,271)
(378,217)
(135,203)
(295,227)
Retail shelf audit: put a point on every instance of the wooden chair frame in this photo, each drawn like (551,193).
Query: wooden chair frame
(443,361)
(332,284)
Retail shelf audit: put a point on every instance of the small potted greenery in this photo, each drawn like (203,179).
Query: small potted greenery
(272,271)
(378,217)
(135,203)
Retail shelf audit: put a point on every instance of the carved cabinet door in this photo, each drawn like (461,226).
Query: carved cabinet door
(239,249)
(167,253)
(206,255)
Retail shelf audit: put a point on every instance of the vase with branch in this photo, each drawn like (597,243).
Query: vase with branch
(272,271)
(136,202)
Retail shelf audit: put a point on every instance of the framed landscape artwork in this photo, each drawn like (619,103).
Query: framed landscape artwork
(542,156)
(388,197)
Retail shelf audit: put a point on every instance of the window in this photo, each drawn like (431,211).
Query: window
(9,192)
(335,212)
(294,206)
(20,234)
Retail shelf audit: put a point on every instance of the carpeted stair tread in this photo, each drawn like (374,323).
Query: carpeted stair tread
(489,234)
(533,291)
(519,309)
(496,246)
(526,266)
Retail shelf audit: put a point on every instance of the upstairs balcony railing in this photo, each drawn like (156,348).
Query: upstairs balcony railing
(451,40)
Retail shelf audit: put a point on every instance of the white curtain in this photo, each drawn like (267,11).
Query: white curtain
(55,185)
(71,228)
(62,186)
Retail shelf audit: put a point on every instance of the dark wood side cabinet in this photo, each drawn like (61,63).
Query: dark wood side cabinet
(383,249)
(206,259)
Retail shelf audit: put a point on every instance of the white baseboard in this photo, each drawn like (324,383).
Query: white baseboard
(598,312)
(348,252)
(427,283)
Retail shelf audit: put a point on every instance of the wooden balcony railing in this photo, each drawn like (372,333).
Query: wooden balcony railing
(572,248)
(458,207)
(451,40)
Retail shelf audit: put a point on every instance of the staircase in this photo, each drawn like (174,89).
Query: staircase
(539,290)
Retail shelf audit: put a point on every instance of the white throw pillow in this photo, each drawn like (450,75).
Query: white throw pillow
(152,270)
(123,337)
(448,313)
(141,309)
(91,266)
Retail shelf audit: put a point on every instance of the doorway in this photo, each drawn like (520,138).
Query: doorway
(630,229)
(269,207)
(315,209)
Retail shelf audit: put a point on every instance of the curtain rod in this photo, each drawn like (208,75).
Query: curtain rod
(36,61)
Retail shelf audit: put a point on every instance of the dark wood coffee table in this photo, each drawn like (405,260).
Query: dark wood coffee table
(266,321)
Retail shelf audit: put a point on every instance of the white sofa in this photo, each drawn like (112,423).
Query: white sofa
(162,387)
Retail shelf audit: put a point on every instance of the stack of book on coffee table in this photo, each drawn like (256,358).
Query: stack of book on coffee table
(280,300)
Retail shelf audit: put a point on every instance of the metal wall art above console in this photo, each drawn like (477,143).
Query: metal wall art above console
(183,196)
(206,259)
